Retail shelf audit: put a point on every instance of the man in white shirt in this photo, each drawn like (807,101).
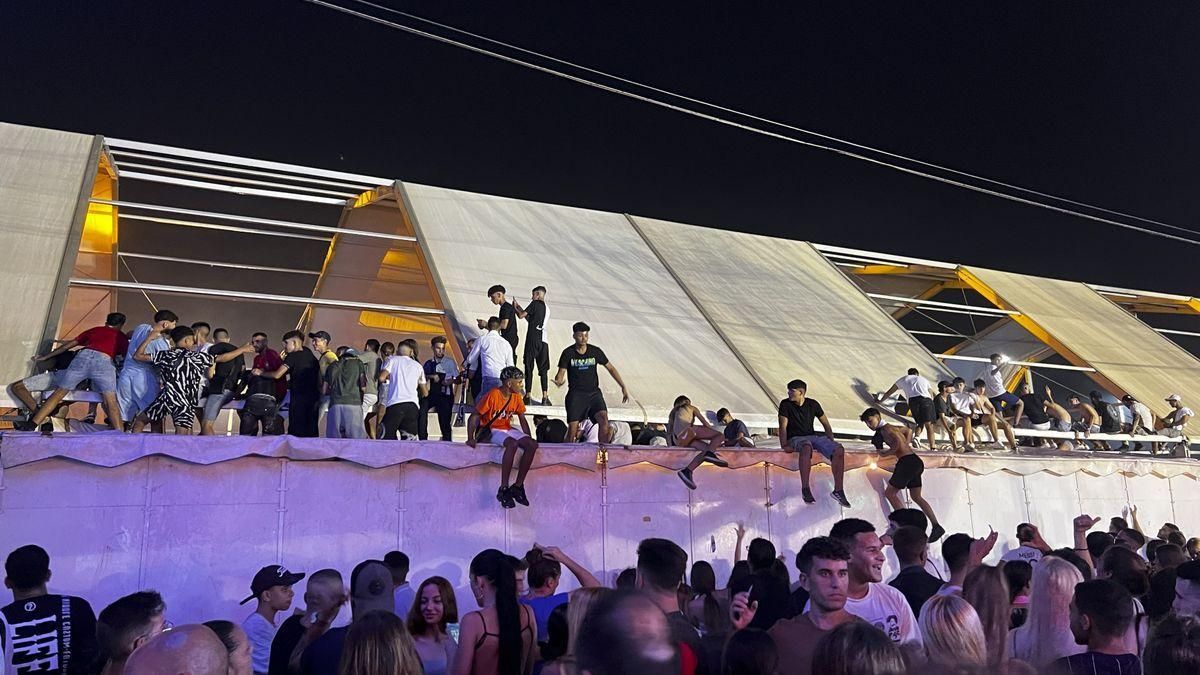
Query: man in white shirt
(1028,551)
(919,393)
(867,597)
(405,379)
(490,355)
(1005,402)
(1141,418)
(272,589)
(1176,420)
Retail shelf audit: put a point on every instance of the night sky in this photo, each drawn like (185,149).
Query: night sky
(1095,101)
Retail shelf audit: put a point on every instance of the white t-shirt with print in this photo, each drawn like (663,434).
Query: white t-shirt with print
(886,608)
(1027,553)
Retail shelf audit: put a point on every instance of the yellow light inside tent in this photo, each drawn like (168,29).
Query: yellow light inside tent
(431,324)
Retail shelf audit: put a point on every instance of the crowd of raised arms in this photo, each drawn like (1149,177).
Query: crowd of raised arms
(1111,601)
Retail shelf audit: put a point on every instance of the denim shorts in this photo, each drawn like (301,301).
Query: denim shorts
(90,364)
(821,444)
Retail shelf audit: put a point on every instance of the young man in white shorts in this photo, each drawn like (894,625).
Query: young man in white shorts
(494,413)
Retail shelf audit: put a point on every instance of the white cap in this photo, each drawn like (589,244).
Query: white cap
(1174,397)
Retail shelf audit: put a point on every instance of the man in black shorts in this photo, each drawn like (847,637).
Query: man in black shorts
(577,366)
(537,352)
(508,317)
(943,411)
(909,467)
(919,394)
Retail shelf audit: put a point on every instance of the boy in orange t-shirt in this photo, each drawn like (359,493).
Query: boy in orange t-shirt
(498,407)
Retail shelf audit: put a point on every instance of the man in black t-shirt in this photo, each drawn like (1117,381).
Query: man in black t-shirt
(323,599)
(508,317)
(304,384)
(40,632)
(537,351)
(226,382)
(578,367)
(797,413)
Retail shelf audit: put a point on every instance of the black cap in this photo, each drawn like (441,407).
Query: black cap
(270,577)
(320,334)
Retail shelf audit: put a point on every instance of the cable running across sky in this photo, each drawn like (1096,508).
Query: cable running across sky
(764,132)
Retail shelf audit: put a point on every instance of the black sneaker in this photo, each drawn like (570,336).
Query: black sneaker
(808,496)
(936,533)
(528,400)
(715,459)
(24,425)
(505,499)
(840,497)
(686,477)
(545,400)
(517,492)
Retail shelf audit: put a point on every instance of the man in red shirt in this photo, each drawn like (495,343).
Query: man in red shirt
(93,362)
(496,409)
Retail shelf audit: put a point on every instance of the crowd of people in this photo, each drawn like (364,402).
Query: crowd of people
(959,411)
(1113,601)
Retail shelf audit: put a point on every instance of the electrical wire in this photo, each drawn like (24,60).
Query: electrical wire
(764,132)
(782,125)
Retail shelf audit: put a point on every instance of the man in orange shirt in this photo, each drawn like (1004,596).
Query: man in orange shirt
(496,409)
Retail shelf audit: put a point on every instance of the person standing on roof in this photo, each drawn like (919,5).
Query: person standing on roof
(577,367)
(508,318)
(797,413)
(919,393)
(906,475)
(537,351)
(137,384)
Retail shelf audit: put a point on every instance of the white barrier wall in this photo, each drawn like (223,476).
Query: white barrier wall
(198,532)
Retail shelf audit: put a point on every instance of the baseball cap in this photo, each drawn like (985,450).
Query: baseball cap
(1127,398)
(1174,397)
(371,588)
(270,577)
(320,334)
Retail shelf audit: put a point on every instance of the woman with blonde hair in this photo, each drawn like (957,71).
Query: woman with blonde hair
(379,644)
(986,588)
(434,608)
(952,633)
(577,608)
(1046,635)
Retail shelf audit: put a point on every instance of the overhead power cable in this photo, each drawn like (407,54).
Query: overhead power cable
(764,132)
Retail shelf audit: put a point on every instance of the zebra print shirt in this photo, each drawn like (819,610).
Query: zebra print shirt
(182,374)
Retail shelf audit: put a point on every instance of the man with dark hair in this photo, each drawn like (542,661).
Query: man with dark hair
(202,330)
(93,362)
(1116,524)
(1004,401)
(907,518)
(404,381)
(912,551)
(370,358)
(660,568)
(127,624)
(322,343)
(578,367)
(537,351)
(867,597)
(40,632)
(263,394)
(304,384)
(736,433)
(182,370)
(624,633)
(943,409)
(993,416)
(823,565)
(956,552)
(271,589)
(226,380)
(323,599)
(398,564)
(1102,613)
(767,592)
(442,373)
(507,316)
(1030,547)
(345,382)
(1131,539)
(1098,543)
(1173,646)
(137,385)
(919,394)
(797,413)
(498,407)
(906,475)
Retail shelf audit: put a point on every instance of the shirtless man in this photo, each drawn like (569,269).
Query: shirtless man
(1060,417)
(992,417)
(1088,422)
(906,475)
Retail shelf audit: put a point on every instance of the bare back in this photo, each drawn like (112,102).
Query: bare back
(898,438)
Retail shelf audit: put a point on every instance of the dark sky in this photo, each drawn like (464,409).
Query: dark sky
(1096,101)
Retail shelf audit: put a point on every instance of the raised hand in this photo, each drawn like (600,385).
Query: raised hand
(1085,522)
